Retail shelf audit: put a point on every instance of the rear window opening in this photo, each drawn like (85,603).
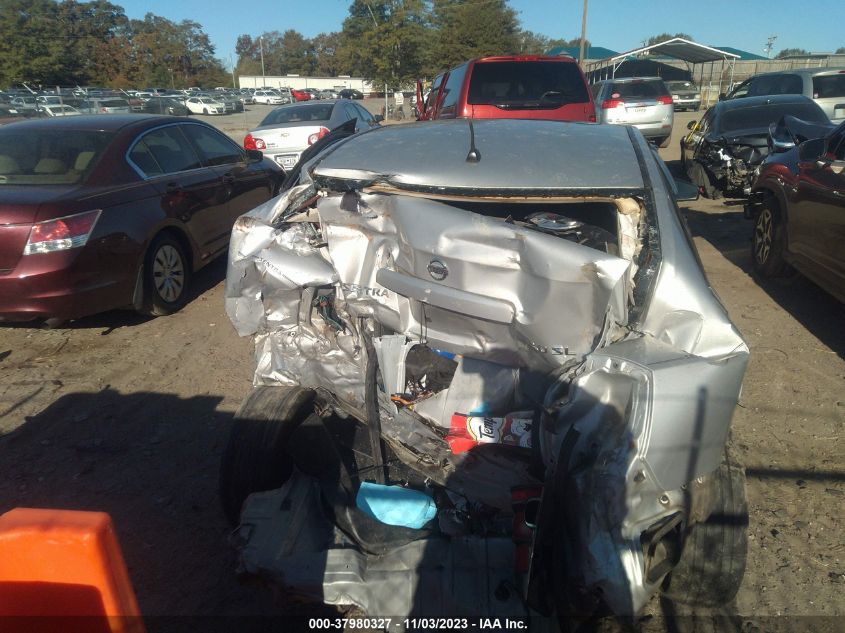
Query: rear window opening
(526,85)
(592,223)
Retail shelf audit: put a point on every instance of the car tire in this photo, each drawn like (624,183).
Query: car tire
(768,242)
(664,142)
(255,458)
(699,177)
(712,563)
(205,110)
(167,273)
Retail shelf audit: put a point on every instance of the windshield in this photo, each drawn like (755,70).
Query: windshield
(535,84)
(762,116)
(43,157)
(681,85)
(298,113)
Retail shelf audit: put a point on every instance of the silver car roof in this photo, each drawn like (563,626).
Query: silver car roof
(515,155)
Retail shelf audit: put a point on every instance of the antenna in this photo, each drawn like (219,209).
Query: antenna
(770,42)
(474,155)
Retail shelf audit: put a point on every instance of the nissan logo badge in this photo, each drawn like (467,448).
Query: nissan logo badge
(437,270)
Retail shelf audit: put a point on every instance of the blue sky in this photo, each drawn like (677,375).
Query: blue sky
(616,24)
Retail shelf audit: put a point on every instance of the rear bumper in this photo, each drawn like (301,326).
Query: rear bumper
(655,130)
(64,285)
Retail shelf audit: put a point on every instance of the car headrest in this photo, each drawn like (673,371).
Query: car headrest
(9,165)
(83,160)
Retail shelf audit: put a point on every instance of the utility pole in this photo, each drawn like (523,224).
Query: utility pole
(583,34)
(232,64)
(370,9)
(261,47)
(770,42)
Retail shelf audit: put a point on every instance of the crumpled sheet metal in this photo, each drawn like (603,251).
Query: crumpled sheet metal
(561,296)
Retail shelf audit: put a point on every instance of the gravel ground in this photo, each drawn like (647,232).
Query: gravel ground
(129,415)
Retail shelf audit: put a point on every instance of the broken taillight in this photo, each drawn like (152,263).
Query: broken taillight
(250,142)
(61,234)
(313,138)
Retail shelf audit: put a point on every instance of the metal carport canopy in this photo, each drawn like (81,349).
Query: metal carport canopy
(679,48)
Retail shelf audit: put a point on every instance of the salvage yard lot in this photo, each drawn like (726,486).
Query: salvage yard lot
(129,415)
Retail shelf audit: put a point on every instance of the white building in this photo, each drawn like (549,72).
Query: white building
(298,82)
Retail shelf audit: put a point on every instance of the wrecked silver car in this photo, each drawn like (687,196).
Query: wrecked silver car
(491,379)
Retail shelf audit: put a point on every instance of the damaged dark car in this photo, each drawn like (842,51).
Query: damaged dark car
(722,150)
(492,384)
(797,203)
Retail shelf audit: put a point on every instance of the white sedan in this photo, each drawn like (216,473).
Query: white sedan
(269,97)
(59,110)
(205,105)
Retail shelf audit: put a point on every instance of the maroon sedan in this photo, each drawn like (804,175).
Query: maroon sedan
(102,212)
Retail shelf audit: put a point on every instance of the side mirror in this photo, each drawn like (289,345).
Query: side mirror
(722,96)
(378,117)
(691,125)
(254,156)
(686,191)
(778,144)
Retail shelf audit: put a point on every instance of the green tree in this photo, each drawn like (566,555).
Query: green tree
(663,37)
(791,52)
(840,51)
(473,28)
(33,44)
(385,40)
(325,48)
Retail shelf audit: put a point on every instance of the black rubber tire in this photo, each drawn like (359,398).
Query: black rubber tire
(255,458)
(712,563)
(699,177)
(664,142)
(205,110)
(154,304)
(768,241)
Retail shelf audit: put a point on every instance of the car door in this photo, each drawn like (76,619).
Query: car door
(247,183)
(818,213)
(190,192)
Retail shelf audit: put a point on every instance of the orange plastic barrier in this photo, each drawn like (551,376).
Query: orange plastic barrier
(63,570)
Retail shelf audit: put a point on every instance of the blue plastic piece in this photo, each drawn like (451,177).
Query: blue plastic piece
(444,354)
(395,505)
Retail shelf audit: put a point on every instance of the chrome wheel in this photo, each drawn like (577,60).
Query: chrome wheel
(168,273)
(763,233)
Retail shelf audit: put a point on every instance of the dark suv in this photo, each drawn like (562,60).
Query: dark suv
(524,87)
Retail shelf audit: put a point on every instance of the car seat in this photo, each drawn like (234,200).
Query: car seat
(9,165)
(50,167)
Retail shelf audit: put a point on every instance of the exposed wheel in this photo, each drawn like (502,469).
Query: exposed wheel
(769,240)
(699,177)
(166,277)
(664,142)
(712,562)
(255,458)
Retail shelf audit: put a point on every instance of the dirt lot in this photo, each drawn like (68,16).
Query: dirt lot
(129,415)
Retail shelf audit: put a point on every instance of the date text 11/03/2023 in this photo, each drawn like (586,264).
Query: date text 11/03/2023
(418,624)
